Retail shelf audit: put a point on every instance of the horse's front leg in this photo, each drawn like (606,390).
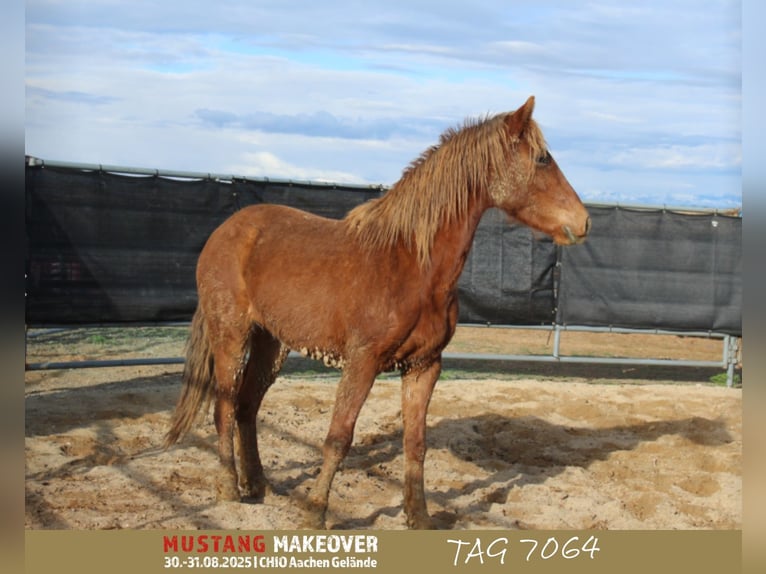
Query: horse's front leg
(417,387)
(353,388)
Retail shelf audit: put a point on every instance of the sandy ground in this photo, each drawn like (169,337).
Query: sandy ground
(538,451)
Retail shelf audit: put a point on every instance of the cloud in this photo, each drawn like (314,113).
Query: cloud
(635,99)
(216,118)
(319,123)
(723,156)
(267,164)
(70,96)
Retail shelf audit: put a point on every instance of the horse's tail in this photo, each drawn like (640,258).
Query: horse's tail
(198,381)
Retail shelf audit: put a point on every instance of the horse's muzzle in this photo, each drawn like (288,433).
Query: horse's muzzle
(575,239)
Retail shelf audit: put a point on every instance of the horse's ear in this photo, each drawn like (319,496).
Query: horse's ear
(519,119)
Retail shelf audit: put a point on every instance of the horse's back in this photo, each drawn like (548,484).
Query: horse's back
(261,234)
(266,217)
(299,275)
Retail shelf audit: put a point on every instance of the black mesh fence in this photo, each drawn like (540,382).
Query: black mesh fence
(655,270)
(106,248)
(508,276)
(109,248)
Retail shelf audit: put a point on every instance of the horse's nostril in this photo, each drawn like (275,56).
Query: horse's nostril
(587,226)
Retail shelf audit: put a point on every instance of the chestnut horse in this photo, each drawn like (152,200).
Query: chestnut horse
(373,292)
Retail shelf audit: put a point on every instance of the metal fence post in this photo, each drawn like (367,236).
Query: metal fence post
(556,340)
(730,353)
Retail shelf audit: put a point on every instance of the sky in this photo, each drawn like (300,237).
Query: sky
(640,102)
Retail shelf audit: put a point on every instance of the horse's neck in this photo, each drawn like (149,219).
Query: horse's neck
(452,244)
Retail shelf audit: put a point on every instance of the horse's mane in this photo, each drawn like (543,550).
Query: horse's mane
(439,186)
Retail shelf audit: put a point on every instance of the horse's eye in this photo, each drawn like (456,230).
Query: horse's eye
(545,158)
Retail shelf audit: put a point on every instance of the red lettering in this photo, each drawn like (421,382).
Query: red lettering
(170,543)
(187,543)
(258,544)
(228,544)
(214,543)
(202,544)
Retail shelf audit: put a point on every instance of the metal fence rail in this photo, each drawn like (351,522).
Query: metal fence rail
(728,361)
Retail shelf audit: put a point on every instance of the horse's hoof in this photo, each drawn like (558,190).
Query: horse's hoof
(228,492)
(258,492)
(421,522)
(314,519)
(313,522)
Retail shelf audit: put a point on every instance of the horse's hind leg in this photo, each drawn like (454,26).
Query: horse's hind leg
(224,424)
(267,355)
(229,340)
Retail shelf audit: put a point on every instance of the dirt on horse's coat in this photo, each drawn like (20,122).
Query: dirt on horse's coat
(373,292)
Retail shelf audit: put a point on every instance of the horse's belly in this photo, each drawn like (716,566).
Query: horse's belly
(314,290)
